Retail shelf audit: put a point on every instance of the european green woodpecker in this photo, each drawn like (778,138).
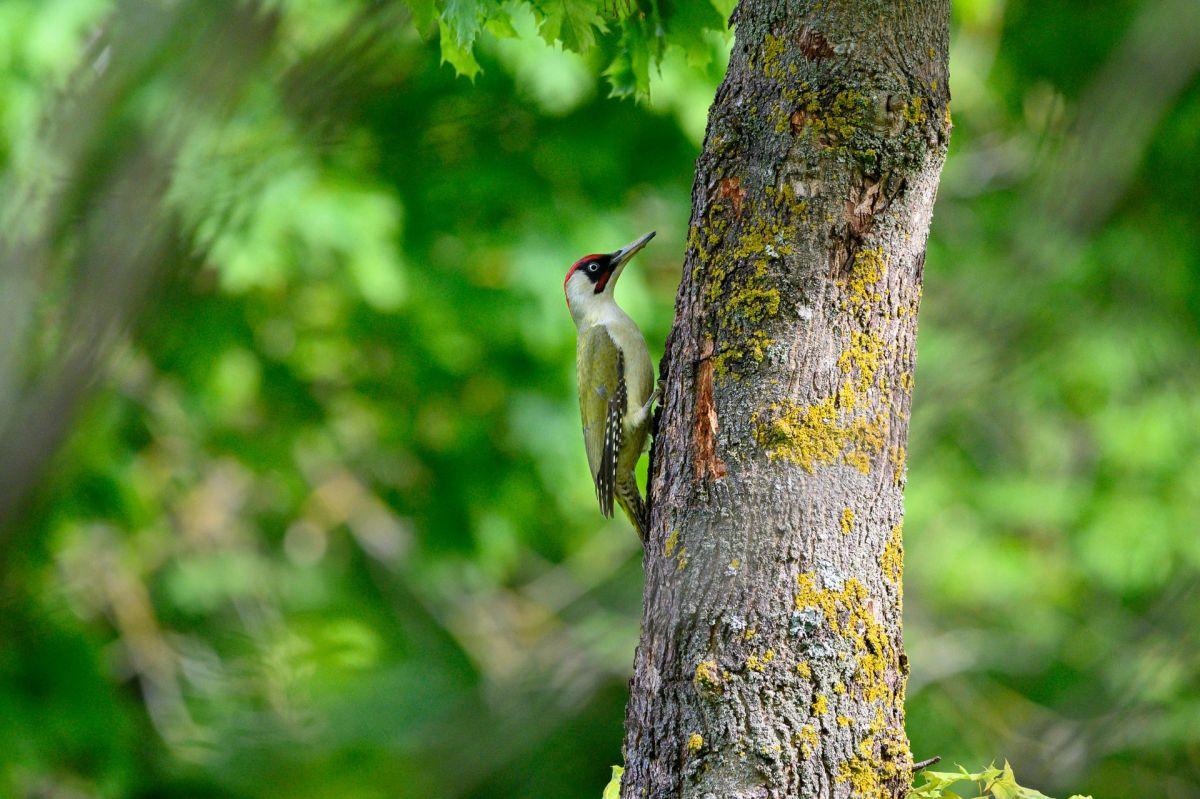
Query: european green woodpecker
(616,380)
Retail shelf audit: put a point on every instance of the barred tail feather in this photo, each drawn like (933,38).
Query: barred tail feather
(630,500)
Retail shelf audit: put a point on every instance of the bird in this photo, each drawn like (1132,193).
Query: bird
(616,380)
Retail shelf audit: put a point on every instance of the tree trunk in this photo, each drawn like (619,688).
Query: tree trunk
(771,661)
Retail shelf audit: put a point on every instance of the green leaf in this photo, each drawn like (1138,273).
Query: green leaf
(424,12)
(995,784)
(613,789)
(986,776)
(500,25)
(464,18)
(940,779)
(572,22)
(629,72)
(458,56)
(1005,787)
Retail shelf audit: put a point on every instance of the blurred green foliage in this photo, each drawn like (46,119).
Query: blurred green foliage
(323,526)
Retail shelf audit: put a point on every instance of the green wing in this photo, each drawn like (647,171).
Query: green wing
(602,400)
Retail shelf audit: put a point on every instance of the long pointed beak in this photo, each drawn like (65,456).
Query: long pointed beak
(623,255)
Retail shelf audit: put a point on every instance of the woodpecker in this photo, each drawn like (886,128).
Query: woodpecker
(616,380)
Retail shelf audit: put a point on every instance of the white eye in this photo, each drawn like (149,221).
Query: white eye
(592,267)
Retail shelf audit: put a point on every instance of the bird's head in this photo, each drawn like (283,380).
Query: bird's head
(592,278)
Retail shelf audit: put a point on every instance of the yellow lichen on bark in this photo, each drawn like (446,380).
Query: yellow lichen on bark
(848,614)
(808,739)
(773,50)
(707,679)
(807,435)
(737,277)
(759,662)
(672,549)
(897,456)
(866,271)
(838,428)
(882,756)
(820,435)
(863,777)
(863,357)
(892,559)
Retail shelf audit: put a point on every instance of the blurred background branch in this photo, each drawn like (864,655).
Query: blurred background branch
(86,225)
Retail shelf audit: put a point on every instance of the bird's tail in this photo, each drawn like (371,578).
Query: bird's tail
(631,502)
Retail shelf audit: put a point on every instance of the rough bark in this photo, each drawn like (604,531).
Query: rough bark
(771,661)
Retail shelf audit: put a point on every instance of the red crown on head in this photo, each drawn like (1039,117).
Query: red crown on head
(571,271)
